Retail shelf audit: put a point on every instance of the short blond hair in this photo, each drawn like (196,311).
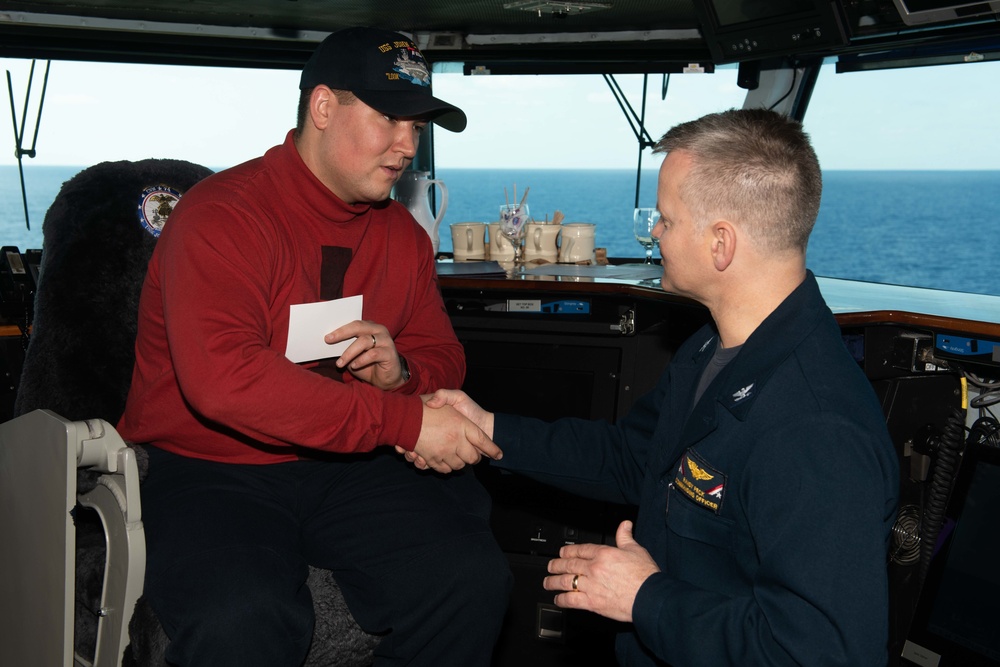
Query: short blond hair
(754,167)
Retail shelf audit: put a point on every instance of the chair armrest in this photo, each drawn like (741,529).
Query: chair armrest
(116,500)
(39,454)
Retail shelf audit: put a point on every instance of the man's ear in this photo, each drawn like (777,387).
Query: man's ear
(322,103)
(723,244)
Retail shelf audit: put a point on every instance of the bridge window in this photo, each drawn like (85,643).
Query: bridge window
(911,162)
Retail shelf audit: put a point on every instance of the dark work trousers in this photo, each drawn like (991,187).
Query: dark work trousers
(229,548)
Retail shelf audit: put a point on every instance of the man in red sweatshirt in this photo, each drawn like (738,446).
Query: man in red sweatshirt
(261,467)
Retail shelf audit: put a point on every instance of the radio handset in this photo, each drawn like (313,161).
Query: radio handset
(17,287)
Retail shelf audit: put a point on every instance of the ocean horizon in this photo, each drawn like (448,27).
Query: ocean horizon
(917,228)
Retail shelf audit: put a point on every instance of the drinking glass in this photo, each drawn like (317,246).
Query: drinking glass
(644,220)
(513,218)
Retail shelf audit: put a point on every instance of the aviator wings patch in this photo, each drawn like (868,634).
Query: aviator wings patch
(697,472)
(700,482)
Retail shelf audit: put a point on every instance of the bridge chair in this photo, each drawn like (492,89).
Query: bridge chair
(72,551)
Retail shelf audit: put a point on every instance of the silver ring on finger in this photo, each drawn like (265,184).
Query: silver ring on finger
(373,342)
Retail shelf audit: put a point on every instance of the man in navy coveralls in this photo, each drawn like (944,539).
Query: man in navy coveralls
(765,478)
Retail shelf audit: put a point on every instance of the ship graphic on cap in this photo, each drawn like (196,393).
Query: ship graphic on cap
(413,69)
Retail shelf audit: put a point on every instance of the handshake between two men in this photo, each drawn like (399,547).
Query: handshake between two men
(455,432)
(603,579)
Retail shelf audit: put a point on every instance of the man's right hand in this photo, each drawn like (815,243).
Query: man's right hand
(448,441)
(461,401)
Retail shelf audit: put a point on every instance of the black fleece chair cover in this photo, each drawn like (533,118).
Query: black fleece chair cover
(98,236)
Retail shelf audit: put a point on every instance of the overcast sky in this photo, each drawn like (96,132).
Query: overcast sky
(219,117)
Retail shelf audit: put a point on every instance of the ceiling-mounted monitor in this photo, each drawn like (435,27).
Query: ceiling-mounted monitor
(921,12)
(738,30)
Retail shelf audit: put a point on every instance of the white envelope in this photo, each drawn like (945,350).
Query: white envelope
(309,322)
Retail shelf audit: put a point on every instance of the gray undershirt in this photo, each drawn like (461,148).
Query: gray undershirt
(721,357)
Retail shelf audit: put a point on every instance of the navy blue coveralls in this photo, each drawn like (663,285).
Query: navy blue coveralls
(767,506)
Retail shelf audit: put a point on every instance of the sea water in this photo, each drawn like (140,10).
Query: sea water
(936,229)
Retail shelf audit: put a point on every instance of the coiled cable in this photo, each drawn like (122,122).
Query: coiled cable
(949,454)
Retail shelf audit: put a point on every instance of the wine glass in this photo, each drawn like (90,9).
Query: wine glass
(513,218)
(644,220)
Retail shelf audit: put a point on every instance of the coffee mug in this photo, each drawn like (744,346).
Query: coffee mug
(500,249)
(577,242)
(468,240)
(540,242)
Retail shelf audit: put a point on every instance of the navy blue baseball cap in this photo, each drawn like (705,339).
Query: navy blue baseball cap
(383,69)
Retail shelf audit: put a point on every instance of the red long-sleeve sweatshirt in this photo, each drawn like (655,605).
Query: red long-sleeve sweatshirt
(211,380)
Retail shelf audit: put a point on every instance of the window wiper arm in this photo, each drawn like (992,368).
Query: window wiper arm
(19,150)
(636,121)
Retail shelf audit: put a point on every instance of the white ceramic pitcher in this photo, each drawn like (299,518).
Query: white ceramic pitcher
(412,190)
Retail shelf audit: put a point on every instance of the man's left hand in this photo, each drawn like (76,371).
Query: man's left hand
(372,358)
(607,578)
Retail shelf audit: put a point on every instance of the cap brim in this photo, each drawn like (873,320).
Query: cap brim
(415,105)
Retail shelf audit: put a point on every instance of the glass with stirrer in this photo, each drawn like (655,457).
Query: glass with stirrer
(513,218)
(643,221)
